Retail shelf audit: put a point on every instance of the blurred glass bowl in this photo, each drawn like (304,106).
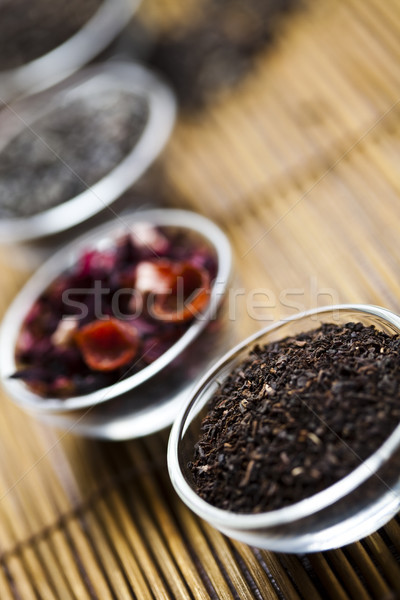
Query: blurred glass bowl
(94,37)
(350,509)
(115,76)
(148,400)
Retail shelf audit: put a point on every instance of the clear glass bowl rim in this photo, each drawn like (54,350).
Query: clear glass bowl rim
(238,521)
(66,257)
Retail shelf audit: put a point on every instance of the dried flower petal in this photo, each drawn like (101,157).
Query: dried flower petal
(64,334)
(96,261)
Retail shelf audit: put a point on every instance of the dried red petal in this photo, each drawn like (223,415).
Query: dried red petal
(96,260)
(189,294)
(107,345)
(65,332)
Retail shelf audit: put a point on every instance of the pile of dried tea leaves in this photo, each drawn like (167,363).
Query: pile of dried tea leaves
(296,416)
(217,50)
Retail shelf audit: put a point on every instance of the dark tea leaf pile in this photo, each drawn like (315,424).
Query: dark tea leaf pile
(115,311)
(215,51)
(296,416)
(68,150)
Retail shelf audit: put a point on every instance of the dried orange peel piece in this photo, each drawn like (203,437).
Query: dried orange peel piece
(107,345)
(188,295)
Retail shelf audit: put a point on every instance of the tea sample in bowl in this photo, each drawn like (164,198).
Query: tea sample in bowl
(29,29)
(68,150)
(296,416)
(115,311)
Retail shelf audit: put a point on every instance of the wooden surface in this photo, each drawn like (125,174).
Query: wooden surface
(299,164)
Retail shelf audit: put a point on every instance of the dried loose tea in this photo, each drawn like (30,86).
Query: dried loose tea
(68,150)
(215,51)
(115,311)
(297,416)
(29,29)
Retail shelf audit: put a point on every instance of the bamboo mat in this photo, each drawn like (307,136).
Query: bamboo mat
(299,164)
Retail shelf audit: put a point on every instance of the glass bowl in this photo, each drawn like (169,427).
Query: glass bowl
(93,81)
(350,509)
(148,400)
(94,37)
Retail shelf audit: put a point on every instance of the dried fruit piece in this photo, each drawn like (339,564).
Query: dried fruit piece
(107,345)
(188,296)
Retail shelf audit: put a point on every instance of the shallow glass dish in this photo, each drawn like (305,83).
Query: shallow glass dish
(350,509)
(94,37)
(113,75)
(148,400)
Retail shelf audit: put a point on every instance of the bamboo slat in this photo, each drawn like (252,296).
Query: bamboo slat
(334,587)
(347,575)
(298,573)
(378,586)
